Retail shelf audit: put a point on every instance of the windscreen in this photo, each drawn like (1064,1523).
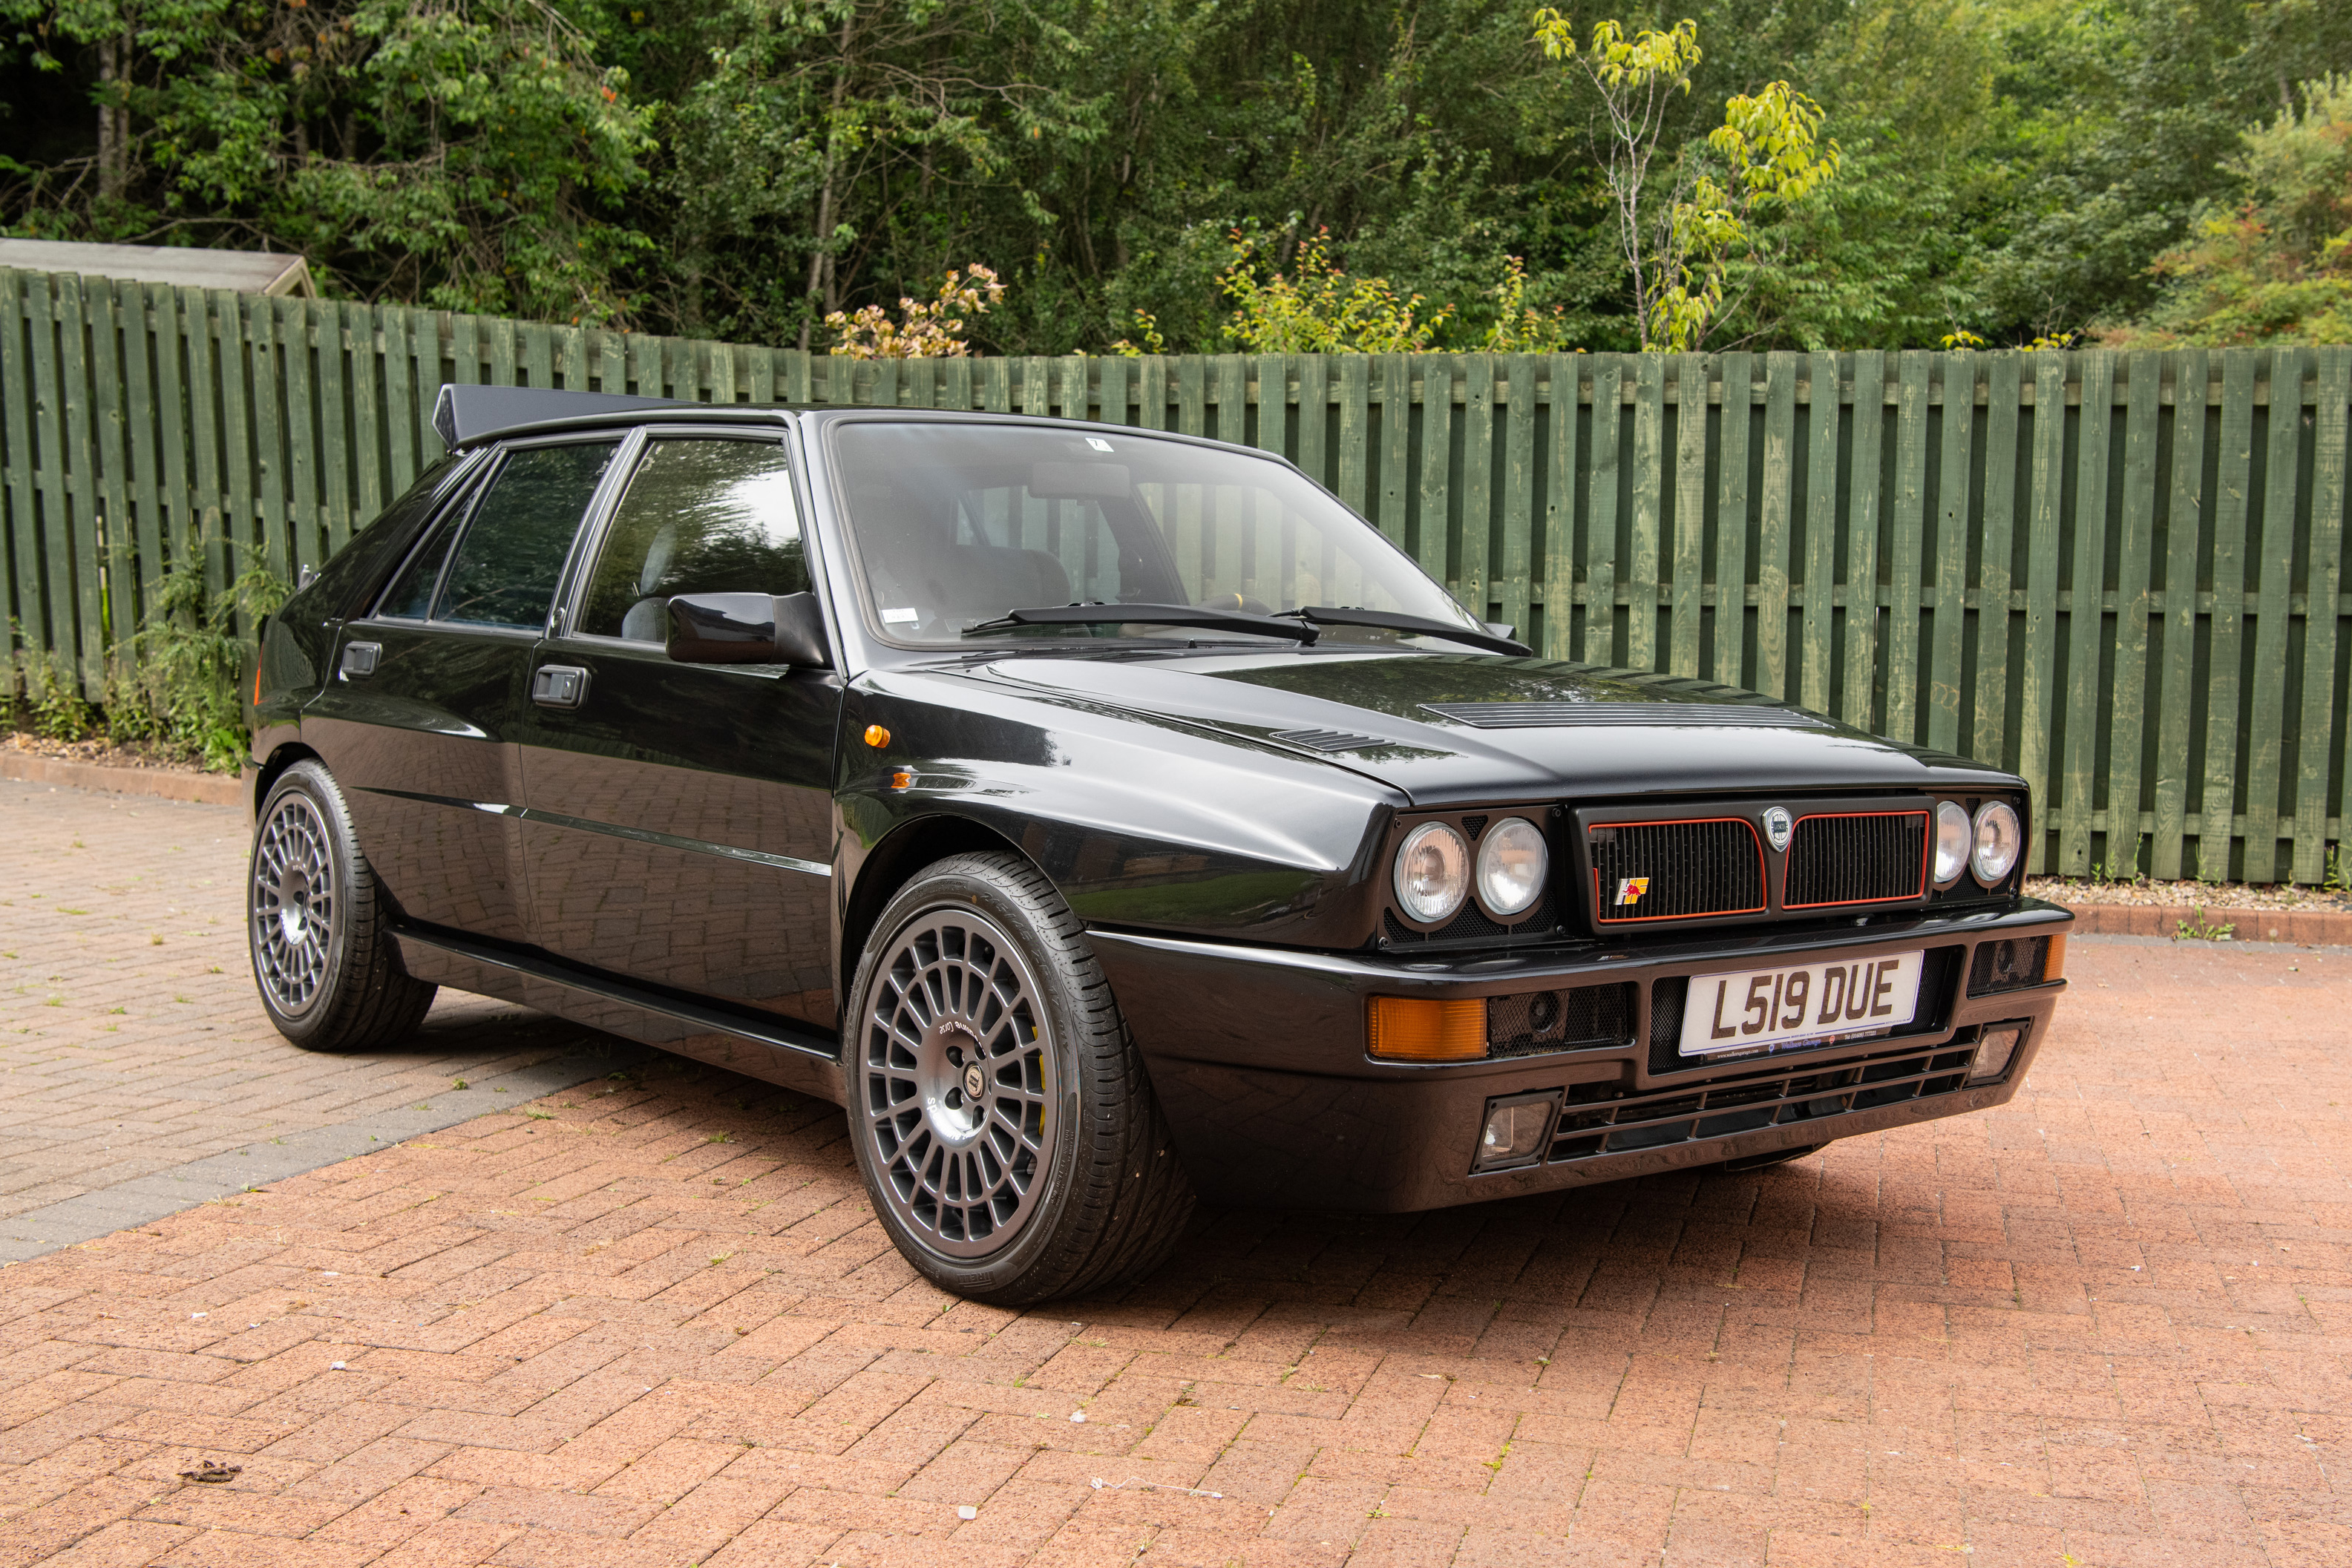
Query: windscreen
(956,525)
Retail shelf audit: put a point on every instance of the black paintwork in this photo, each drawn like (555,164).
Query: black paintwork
(691,852)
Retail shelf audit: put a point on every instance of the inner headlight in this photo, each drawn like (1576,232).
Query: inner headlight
(1952,835)
(1512,859)
(1432,871)
(1998,838)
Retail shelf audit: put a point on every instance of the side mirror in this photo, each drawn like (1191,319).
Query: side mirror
(747,628)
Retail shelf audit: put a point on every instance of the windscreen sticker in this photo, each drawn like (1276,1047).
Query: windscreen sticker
(899,617)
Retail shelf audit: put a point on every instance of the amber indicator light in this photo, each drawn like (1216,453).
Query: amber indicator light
(876,736)
(902,779)
(1411,1029)
(2053,963)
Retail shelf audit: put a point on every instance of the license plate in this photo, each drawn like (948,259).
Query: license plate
(1803,1006)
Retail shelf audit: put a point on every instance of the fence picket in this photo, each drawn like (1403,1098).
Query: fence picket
(1774,516)
(1860,706)
(2273,561)
(2135,603)
(2021,583)
(1601,544)
(2223,675)
(1559,510)
(1908,544)
(2322,709)
(1731,519)
(1818,625)
(2187,505)
(2086,629)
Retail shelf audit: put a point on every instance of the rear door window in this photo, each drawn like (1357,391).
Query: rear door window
(701,516)
(506,563)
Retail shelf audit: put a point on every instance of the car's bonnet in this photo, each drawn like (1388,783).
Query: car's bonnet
(1443,727)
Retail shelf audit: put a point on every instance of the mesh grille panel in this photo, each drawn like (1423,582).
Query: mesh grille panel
(1875,857)
(1528,1022)
(1662,870)
(2005,965)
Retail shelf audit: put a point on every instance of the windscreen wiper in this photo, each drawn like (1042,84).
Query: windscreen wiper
(1213,619)
(1387,620)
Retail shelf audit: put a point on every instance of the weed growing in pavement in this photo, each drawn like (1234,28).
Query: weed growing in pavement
(2198,927)
(183,684)
(2128,875)
(42,697)
(2337,880)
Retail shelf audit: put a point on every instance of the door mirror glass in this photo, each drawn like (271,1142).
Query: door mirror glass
(702,517)
(507,564)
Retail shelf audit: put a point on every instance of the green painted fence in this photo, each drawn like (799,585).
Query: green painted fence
(2122,575)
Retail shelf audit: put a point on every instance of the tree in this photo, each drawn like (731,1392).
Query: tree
(1679,249)
(2276,266)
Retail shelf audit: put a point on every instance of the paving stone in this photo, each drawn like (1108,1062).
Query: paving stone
(2108,1323)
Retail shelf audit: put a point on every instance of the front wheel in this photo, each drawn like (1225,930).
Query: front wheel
(326,968)
(1000,1113)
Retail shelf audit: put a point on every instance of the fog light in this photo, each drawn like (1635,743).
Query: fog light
(1996,1048)
(1514,1132)
(1414,1028)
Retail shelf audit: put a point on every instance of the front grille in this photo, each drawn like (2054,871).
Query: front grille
(1747,1104)
(1528,1023)
(2007,964)
(1856,857)
(1675,870)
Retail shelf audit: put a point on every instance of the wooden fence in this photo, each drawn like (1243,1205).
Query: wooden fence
(2122,575)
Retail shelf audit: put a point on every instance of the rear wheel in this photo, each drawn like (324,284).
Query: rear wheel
(329,973)
(1000,1113)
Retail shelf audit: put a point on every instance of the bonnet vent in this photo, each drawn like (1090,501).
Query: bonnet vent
(1326,740)
(1552,715)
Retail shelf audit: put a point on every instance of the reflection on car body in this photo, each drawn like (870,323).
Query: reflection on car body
(1102,818)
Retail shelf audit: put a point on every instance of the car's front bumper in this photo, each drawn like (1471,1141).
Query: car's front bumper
(1259,1057)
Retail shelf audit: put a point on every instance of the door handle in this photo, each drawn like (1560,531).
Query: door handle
(359,658)
(559,686)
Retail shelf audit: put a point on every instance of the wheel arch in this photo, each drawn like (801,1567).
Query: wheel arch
(889,866)
(280,758)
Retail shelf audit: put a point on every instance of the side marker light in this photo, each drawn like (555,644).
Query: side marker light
(876,736)
(903,778)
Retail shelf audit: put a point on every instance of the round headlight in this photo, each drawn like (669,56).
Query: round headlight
(1952,835)
(1512,860)
(1998,838)
(1432,871)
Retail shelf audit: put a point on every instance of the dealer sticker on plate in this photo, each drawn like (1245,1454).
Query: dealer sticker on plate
(1806,1005)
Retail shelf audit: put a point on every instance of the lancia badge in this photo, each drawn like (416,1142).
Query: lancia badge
(1777,826)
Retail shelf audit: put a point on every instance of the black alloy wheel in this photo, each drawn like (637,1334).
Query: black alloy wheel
(1000,1113)
(327,970)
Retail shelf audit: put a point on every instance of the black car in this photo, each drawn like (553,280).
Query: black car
(1103,817)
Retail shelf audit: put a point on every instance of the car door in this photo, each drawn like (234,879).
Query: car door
(417,721)
(679,829)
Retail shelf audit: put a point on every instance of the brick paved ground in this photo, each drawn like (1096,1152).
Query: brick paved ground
(651,1322)
(131,1041)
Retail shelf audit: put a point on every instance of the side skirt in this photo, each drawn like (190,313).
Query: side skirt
(774,1051)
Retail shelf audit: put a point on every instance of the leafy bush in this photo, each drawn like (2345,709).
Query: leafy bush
(183,686)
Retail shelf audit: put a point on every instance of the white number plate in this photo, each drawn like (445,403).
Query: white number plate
(1811,1004)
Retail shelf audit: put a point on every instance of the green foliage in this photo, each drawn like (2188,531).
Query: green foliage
(743,169)
(185,674)
(44,698)
(1322,310)
(2277,266)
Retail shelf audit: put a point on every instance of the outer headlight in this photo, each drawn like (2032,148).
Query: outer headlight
(1512,860)
(1999,839)
(1432,871)
(1952,836)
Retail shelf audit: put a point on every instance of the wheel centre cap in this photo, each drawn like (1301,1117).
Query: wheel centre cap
(975,1082)
(293,904)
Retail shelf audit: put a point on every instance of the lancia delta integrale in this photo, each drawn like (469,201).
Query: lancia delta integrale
(1101,818)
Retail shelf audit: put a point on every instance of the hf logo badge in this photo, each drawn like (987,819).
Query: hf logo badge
(1630,889)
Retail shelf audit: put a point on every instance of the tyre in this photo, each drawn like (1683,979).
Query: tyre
(326,968)
(1000,1113)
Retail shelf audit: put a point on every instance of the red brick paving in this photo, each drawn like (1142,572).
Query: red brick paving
(651,1322)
